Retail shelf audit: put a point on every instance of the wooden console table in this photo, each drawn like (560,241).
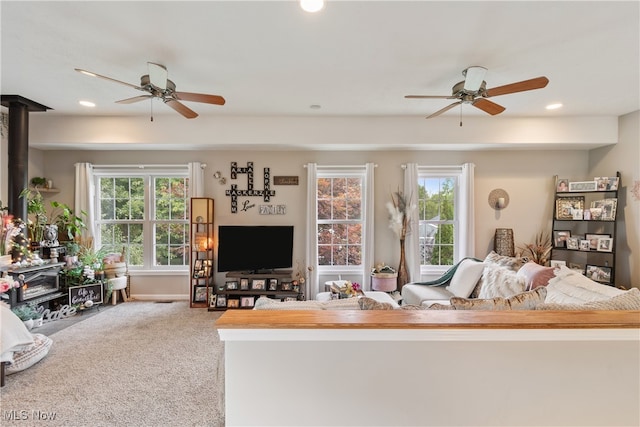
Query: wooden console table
(431,368)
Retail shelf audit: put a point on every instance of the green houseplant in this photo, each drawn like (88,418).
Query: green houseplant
(37,213)
(69,224)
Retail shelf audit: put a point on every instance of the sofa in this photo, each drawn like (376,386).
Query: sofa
(497,281)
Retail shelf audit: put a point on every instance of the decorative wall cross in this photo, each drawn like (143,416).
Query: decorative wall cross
(234,192)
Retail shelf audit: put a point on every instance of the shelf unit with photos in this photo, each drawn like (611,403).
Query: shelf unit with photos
(201,260)
(583,234)
(241,290)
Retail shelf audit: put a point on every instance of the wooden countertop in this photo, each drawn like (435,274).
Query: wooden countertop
(427,319)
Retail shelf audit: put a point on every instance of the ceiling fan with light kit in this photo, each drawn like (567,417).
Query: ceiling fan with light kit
(157,85)
(473,90)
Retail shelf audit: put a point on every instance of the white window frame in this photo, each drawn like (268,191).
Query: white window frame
(425,173)
(463,215)
(344,173)
(147,173)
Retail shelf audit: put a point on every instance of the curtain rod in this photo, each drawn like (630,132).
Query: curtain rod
(342,166)
(202,166)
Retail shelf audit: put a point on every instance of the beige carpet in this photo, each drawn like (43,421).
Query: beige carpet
(136,364)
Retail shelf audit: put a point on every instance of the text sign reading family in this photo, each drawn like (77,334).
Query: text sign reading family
(82,294)
(234,192)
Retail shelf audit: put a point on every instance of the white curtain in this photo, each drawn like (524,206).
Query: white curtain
(467,212)
(369,226)
(412,240)
(85,195)
(196,179)
(311,255)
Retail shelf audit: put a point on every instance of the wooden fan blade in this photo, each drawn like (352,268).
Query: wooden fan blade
(158,75)
(92,74)
(430,97)
(537,83)
(134,99)
(181,108)
(200,97)
(488,106)
(447,108)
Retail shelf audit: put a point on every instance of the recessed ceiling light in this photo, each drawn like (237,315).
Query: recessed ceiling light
(87,103)
(312,5)
(554,106)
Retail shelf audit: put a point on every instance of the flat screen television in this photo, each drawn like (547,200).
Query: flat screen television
(254,248)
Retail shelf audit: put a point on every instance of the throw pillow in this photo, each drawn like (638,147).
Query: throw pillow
(367,303)
(512,263)
(523,301)
(535,275)
(27,358)
(465,278)
(629,300)
(264,303)
(500,282)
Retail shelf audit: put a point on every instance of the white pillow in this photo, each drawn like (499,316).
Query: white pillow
(465,278)
(500,282)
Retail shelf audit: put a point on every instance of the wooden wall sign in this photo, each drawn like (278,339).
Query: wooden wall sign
(285,180)
(234,192)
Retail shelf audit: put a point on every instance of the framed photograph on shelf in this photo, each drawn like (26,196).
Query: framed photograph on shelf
(560,238)
(607,183)
(233,303)
(247,301)
(598,273)
(583,186)
(244,284)
(566,205)
(573,243)
(273,284)
(221,301)
(212,300)
(260,284)
(562,186)
(593,240)
(605,244)
(576,266)
(232,285)
(608,207)
(200,294)
(286,286)
(584,245)
(557,263)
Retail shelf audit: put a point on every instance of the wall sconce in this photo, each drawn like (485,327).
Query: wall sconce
(498,199)
(221,179)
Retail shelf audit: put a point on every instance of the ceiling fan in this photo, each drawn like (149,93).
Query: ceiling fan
(157,85)
(473,90)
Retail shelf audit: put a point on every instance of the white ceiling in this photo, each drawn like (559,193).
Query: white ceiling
(354,58)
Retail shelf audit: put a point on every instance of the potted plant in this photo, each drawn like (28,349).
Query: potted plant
(38,181)
(37,215)
(26,313)
(69,224)
(384,278)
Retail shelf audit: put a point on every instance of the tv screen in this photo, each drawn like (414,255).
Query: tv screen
(254,248)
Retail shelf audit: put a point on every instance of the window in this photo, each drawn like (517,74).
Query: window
(147,213)
(340,219)
(437,219)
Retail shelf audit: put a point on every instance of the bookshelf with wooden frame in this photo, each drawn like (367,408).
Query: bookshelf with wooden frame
(201,259)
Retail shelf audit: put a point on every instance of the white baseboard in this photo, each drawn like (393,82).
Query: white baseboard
(160,297)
